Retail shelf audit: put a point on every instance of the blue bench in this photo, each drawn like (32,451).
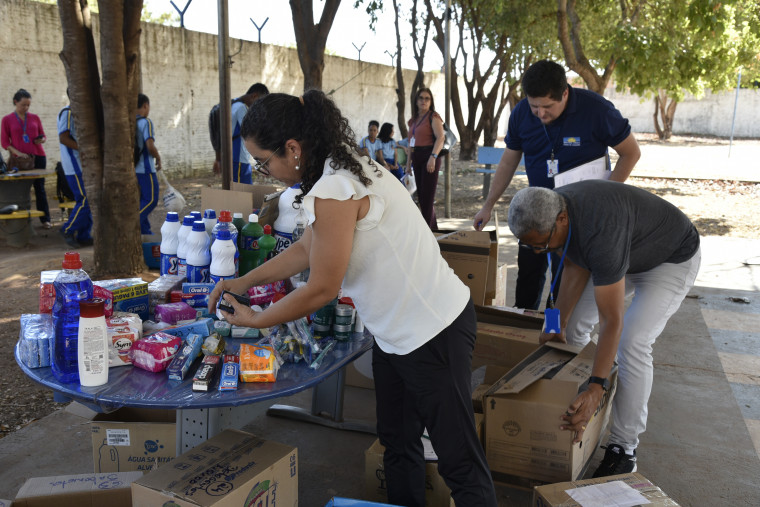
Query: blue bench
(489,156)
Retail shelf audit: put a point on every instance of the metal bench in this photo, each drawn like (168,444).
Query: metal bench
(489,156)
(66,207)
(19,236)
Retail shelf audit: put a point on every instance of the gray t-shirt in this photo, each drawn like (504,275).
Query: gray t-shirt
(618,229)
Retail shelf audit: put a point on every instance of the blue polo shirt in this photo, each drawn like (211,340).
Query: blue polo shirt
(582,133)
(145,131)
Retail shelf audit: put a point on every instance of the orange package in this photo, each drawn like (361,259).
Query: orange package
(257,363)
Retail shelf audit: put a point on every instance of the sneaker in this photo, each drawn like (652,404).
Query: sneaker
(69,239)
(615,462)
(47,225)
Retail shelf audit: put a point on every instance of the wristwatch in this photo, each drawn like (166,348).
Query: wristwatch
(434,155)
(604,382)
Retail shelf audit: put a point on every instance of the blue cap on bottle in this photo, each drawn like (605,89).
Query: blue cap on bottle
(209,213)
(172,216)
(223,234)
(197,215)
(188,220)
(198,225)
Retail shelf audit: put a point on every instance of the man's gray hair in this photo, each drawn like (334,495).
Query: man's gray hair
(534,209)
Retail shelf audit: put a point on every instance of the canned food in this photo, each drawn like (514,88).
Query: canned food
(344,315)
(342,333)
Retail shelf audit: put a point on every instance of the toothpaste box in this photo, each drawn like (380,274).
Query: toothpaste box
(47,290)
(123,295)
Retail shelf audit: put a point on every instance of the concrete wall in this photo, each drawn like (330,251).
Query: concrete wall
(180,75)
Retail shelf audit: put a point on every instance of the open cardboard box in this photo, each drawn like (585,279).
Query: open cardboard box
(555,495)
(524,445)
(112,489)
(243,198)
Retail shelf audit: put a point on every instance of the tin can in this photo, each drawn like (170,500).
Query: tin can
(343,315)
(324,316)
(342,333)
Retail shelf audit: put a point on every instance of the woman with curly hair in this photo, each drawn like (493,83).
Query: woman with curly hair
(365,236)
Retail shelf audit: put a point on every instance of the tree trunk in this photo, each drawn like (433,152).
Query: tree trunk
(666,111)
(311,39)
(400,92)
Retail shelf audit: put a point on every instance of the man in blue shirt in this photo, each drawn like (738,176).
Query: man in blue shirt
(241,160)
(77,231)
(149,161)
(557,128)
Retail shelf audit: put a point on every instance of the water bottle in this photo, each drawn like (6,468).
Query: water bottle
(72,285)
(198,254)
(222,257)
(184,231)
(249,244)
(239,223)
(266,245)
(169,244)
(92,343)
(209,218)
(225,223)
(298,232)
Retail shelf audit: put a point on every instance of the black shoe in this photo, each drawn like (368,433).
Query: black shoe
(86,242)
(70,240)
(616,462)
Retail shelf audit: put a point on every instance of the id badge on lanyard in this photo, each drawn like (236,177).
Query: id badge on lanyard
(552,168)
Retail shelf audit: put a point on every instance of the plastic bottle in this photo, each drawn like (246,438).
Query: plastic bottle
(298,232)
(72,285)
(225,222)
(198,254)
(249,244)
(169,244)
(209,218)
(287,216)
(266,245)
(184,231)
(92,343)
(197,215)
(239,223)
(222,257)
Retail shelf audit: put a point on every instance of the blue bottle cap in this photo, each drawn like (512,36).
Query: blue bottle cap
(198,225)
(172,216)
(197,215)
(223,234)
(188,220)
(209,213)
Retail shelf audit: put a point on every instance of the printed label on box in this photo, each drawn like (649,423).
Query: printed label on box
(118,437)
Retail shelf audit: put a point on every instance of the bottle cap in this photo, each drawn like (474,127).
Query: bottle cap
(92,308)
(225,216)
(198,225)
(253,218)
(209,213)
(237,215)
(71,261)
(197,215)
(267,229)
(223,234)
(188,220)
(172,216)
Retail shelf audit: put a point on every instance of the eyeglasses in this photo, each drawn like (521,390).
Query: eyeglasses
(536,249)
(424,98)
(263,167)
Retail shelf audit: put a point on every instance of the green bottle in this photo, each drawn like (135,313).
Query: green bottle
(249,244)
(238,222)
(266,245)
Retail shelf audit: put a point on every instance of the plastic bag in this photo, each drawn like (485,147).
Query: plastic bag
(173,200)
(409,182)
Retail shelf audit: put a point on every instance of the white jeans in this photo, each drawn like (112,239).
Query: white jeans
(657,294)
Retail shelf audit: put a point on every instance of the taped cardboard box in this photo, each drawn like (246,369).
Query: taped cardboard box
(474,257)
(242,198)
(133,439)
(555,495)
(524,445)
(437,494)
(232,468)
(111,489)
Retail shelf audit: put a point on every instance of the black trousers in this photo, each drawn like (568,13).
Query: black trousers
(430,388)
(531,277)
(40,196)
(427,183)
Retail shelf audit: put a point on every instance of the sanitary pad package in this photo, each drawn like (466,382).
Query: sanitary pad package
(154,352)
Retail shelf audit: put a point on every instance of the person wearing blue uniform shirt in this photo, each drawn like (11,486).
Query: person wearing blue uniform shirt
(370,144)
(77,231)
(149,162)
(558,128)
(241,160)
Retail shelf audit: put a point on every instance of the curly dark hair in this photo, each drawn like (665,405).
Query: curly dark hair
(317,124)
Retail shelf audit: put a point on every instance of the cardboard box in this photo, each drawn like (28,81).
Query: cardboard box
(474,256)
(498,297)
(524,445)
(231,469)
(437,494)
(241,198)
(133,439)
(554,495)
(337,501)
(111,489)
(123,295)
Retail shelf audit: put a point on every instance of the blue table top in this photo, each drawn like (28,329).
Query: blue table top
(133,387)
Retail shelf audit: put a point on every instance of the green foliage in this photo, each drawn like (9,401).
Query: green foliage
(167,18)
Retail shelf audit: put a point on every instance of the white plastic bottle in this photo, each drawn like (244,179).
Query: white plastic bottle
(209,218)
(169,244)
(222,257)
(286,218)
(92,343)
(198,254)
(182,234)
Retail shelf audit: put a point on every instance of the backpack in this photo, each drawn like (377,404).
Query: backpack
(214,131)
(62,188)
(449,138)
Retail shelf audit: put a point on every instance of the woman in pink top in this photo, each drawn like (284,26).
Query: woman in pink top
(22,135)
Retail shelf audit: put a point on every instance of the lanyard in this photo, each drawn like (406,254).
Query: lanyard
(559,268)
(23,123)
(414,129)
(552,143)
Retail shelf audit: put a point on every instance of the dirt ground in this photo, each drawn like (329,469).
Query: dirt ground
(717,208)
